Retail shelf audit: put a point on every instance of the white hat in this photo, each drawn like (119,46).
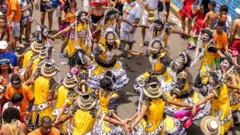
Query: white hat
(237,10)
(3,44)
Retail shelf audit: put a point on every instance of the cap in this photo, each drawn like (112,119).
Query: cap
(3,44)
(16,81)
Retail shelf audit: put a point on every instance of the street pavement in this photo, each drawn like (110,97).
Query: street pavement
(134,66)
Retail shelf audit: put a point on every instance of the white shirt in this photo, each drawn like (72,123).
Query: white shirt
(152,3)
(131,14)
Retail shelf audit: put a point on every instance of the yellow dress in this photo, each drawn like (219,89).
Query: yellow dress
(105,60)
(234,96)
(207,63)
(154,116)
(221,108)
(107,104)
(82,30)
(159,70)
(62,93)
(83,120)
(27,57)
(110,24)
(42,85)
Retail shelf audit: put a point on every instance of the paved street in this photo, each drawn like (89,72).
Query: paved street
(134,66)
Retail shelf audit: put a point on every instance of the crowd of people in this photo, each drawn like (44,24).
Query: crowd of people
(34,99)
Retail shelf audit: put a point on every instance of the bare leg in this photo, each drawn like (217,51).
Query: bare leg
(167,16)
(143,36)
(43,17)
(28,32)
(21,33)
(50,14)
(189,26)
(183,23)
(65,42)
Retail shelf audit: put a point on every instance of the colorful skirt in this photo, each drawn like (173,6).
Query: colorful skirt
(105,128)
(97,73)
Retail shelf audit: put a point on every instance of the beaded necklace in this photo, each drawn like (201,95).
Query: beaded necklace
(128,9)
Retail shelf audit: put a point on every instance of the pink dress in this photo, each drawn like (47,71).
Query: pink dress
(185,11)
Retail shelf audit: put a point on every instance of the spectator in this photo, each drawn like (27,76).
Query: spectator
(161,7)
(220,40)
(45,128)
(235,37)
(205,6)
(211,16)
(131,12)
(5,53)
(3,100)
(17,86)
(6,31)
(12,124)
(15,101)
(14,18)
(25,23)
(186,12)
(46,7)
(3,7)
(5,72)
(224,9)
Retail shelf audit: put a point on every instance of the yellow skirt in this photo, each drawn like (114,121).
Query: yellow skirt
(234,101)
(70,48)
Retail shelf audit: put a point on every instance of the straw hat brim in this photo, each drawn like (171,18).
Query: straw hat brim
(42,56)
(48,74)
(80,104)
(204,128)
(69,85)
(32,46)
(148,94)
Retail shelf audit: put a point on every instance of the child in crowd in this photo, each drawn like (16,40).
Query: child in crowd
(211,16)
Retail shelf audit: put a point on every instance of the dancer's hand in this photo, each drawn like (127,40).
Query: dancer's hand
(194,108)
(127,128)
(127,121)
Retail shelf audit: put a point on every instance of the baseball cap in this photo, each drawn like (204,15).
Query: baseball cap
(3,45)
(16,81)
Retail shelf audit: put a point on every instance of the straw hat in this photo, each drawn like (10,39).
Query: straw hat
(210,126)
(86,101)
(36,46)
(152,90)
(43,53)
(70,81)
(238,11)
(49,69)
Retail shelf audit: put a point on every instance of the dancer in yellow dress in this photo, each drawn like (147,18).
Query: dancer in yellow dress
(161,31)
(84,113)
(160,62)
(43,84)
(105,60)
(149,118)
(78,39)
(72,95)
(182,92)
(108,103)
(111,20)
(208,51)
(36,61)
(61,93)
(219,96)
(233,83)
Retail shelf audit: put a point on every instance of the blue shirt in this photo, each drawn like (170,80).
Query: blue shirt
(224,26)
(11,56)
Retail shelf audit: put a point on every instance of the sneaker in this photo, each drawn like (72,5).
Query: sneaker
(64,63)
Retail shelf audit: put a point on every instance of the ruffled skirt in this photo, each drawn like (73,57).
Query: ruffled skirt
(97,73)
